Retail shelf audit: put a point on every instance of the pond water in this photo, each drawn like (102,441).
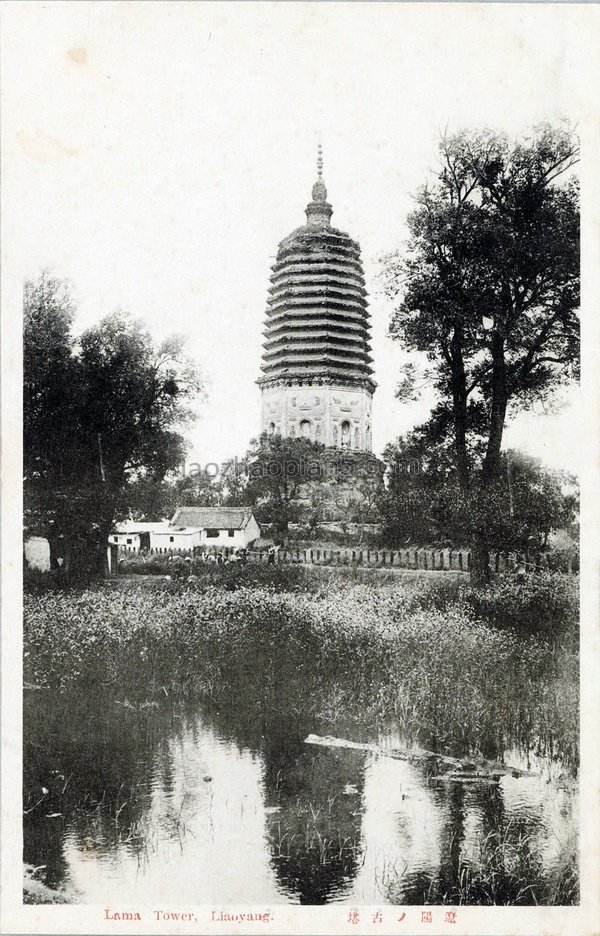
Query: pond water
(200,806)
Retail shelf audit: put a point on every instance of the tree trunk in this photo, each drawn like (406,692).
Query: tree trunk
(492,465)
(480,559)
(55,543)
(459,409)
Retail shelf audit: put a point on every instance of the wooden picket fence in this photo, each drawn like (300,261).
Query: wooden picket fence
(440,560)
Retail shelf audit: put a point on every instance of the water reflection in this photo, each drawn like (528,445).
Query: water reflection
(218,807)
(314,829)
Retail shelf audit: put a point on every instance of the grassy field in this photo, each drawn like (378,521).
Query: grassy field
(468,669)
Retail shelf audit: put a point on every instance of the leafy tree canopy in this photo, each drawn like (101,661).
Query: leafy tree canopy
(487,291)
(98,412)
(273,476)
(488,287)
(520,508)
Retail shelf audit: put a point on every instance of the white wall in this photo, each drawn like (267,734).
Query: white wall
(171,539)
(325,407)
(130,540)
(239,540)
(174,540)
(251,531)
(37,553)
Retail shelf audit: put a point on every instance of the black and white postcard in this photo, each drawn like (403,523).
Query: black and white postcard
(300,462)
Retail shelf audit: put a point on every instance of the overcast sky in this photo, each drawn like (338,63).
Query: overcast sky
(161,151)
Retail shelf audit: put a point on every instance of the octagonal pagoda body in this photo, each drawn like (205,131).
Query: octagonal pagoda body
(317,379)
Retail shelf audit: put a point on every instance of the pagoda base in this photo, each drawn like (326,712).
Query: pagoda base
(338,417)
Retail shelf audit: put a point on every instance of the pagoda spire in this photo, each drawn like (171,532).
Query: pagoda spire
(319,211)
(317,370)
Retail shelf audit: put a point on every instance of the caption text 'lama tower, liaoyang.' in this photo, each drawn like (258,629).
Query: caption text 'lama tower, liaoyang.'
(316,373)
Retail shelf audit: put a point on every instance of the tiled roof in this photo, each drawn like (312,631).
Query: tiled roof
(214,518)
(141,526)
(317,280)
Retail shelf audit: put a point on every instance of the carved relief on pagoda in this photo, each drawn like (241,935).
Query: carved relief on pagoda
(339,417)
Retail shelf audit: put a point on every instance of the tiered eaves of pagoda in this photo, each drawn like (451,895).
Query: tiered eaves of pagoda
(317,328)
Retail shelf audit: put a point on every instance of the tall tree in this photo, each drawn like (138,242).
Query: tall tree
(422,502)
(356,489)
(274,477)
(488,290)
(96,412)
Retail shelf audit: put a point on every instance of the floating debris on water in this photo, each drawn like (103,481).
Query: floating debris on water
(447,768)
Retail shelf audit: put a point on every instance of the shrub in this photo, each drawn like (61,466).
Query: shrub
(415,654)
(546,604)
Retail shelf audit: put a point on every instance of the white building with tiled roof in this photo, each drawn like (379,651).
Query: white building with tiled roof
(137,534)
(218,526)
(190,526)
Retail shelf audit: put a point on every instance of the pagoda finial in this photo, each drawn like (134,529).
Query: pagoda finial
(319,192)
(318,211)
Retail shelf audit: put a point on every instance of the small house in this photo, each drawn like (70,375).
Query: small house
(176,538)
(134,535)
(218,526)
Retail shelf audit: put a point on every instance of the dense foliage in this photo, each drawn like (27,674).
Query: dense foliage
(295,480)
(98,410)
(521,508)
(418,654)
(487,291)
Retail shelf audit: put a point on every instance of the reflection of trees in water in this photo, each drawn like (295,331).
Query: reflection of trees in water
(505,865)
(452,838)
(313,826)
(102,764)
(486,859)
(93,757)
(477,846)
(313,798)
(315,834)
(472,819)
